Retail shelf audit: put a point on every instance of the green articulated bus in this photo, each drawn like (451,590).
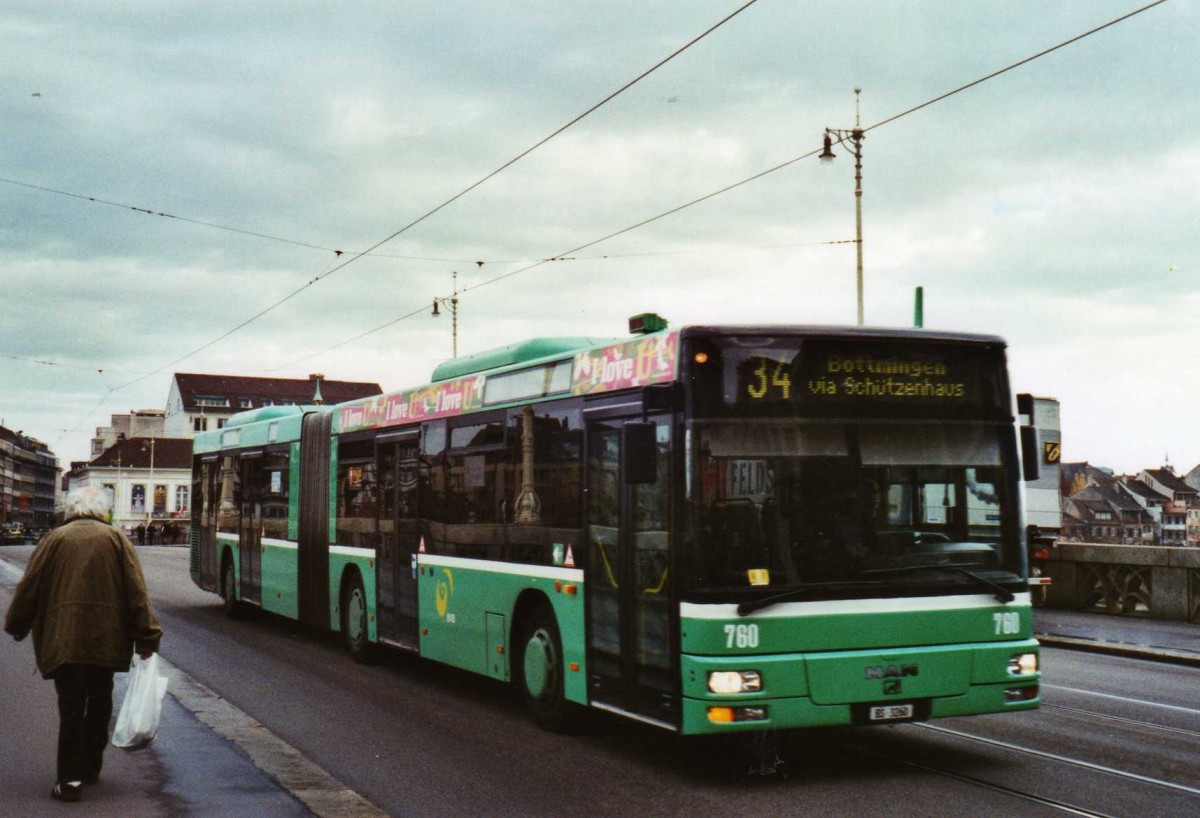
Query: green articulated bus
(707,529)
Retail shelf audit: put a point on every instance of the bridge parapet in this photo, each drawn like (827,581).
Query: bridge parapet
(1157,582)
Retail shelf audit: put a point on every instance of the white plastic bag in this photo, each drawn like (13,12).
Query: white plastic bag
(137,723)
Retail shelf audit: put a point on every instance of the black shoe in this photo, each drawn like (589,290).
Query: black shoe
(67,791)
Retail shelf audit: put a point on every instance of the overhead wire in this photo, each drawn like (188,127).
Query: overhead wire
(1015,65)
(240,230)
(52,363)
(85,418)
(354,257)
(100,371)
(149,212)
(748,180)
(706,250)
(220,337)
(337,252)
(546,139)
(555,257)
(644,222)
(532,265)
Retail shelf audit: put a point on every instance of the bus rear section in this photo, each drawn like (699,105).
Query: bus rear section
(854,527)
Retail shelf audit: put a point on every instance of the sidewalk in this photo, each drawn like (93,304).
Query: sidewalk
(1156,639)
(209,759)
(131,783)
(188,770)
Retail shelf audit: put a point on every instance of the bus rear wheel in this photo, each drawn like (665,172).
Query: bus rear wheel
(354,621)
(538,670)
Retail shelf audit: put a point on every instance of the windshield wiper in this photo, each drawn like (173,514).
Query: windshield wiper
(1001,593)
(795,592)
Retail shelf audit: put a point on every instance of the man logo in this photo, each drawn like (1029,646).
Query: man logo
(891,687)
(891,671)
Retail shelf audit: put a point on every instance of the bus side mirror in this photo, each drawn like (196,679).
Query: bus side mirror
(640,446)
(1025,406)
(1029,453)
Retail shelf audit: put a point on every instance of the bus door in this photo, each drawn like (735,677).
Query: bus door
(250,536)
(630,648)
(205,499)
(312,568)
(399,538)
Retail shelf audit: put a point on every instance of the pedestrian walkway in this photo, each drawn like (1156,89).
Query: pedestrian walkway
(188,770)
(209,758)
(1157,639)
(130,783)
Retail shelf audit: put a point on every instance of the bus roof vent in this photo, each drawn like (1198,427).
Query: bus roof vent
(262,413)
(518,353)
(646,323)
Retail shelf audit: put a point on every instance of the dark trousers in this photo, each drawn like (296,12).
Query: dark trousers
(84,708)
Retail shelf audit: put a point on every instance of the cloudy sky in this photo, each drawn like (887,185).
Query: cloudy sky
(1056,205)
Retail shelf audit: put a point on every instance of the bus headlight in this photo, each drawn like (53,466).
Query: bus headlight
(1023,664)
(734,681)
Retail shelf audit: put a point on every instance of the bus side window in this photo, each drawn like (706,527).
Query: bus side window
(275,495)
(357,498)
(230,496)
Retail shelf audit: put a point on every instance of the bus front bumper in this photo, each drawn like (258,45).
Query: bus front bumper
(860,687)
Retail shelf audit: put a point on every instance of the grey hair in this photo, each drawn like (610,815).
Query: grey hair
(87,501)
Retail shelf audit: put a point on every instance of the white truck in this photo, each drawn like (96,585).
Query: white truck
(1043,497)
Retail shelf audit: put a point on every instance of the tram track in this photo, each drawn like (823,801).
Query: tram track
(1062,806)
(1174,708)
(1061,759)
(1123,720)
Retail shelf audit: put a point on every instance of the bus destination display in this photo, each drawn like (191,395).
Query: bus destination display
(862,375)
(784,378)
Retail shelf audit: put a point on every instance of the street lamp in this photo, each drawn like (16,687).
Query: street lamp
(150,491)
(452,300)
(854,136)
(117,490)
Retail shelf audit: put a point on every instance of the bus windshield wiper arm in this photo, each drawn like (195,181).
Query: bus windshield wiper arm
(999,591)
(795,592)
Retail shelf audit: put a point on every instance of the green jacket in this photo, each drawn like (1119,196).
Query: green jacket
(84,597)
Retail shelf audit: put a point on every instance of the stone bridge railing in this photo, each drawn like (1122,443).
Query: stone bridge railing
(1157,582)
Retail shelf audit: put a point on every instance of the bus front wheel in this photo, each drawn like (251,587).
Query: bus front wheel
(539,670)
(354,621)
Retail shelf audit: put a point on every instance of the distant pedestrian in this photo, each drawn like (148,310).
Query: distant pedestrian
(141,533)
(84,598)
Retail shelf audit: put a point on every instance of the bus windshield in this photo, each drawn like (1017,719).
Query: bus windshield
(851,508)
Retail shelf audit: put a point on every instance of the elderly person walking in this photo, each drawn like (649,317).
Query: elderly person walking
(84,598)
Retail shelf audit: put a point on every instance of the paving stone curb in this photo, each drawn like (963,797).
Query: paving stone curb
(1120,649)
(315,788)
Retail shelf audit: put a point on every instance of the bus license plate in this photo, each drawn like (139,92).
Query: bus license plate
(890,712)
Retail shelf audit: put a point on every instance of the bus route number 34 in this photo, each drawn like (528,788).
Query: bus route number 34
(769,380)
(741,636)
